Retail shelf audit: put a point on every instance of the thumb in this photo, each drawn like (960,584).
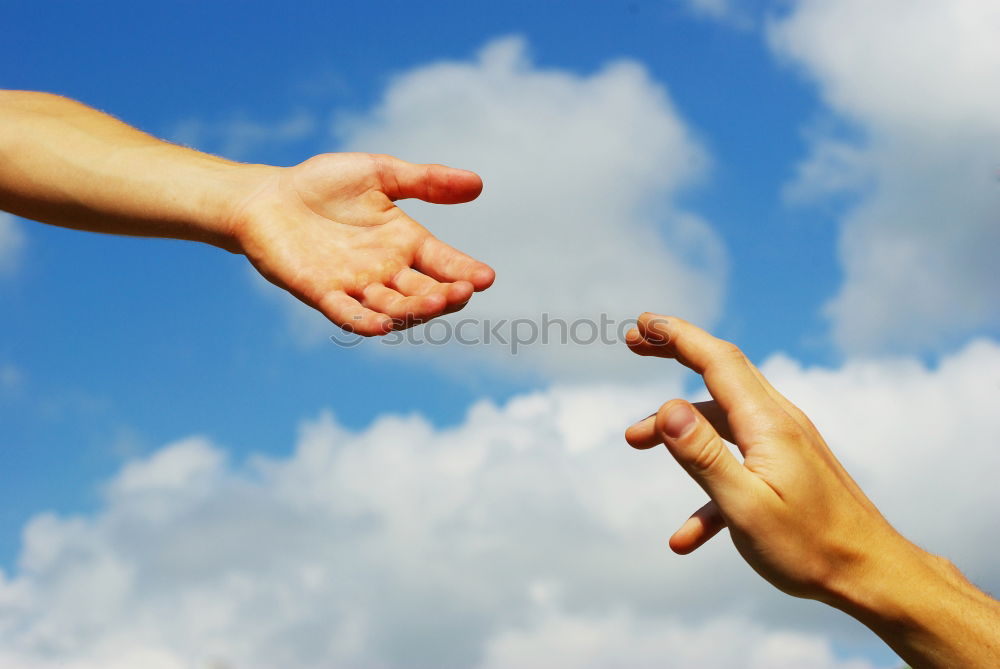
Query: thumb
(699,449)
(431,183)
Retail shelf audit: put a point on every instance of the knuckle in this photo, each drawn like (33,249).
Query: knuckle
(803,420)
(730,350)
(706,455)
(785,427)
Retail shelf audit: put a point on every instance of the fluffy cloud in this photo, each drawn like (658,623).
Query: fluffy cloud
(577,214)
(914,83)
(560,641)
(524,536)
(12,240)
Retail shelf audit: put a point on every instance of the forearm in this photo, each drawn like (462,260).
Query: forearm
(64,163)
(926,610)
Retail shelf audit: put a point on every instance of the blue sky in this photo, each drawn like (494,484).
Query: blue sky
(120,328)
(115,347)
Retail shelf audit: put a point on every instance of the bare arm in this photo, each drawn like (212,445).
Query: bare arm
(796,516)
(64,163)
(326,230)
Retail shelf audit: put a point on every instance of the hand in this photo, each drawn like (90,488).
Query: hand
(793,512)
(796,516)
(328,231)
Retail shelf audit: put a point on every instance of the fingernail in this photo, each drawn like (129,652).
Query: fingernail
(656,330)
(679,422)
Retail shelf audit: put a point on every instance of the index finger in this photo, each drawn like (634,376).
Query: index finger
(722,365)
(657,348)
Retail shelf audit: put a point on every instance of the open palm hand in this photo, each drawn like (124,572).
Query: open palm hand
(329,232)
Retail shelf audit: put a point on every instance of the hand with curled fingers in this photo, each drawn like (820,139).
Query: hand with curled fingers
(328,231)
(794,513)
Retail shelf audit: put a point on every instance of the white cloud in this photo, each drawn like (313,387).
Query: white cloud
(556,641)
(714,8)
(240,137)
(514,537)
(12,241)
(916,82)
(11,377)
(577,214)
(834,167)
(726,11)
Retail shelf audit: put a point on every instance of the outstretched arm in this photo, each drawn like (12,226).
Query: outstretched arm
(794,513)
(326,230)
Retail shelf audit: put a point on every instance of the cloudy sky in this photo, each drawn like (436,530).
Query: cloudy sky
(192,474)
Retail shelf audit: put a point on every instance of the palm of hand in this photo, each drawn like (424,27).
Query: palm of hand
(328,231)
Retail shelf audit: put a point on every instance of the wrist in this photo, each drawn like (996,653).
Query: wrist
(223,211)
(920,605)
(886,585)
